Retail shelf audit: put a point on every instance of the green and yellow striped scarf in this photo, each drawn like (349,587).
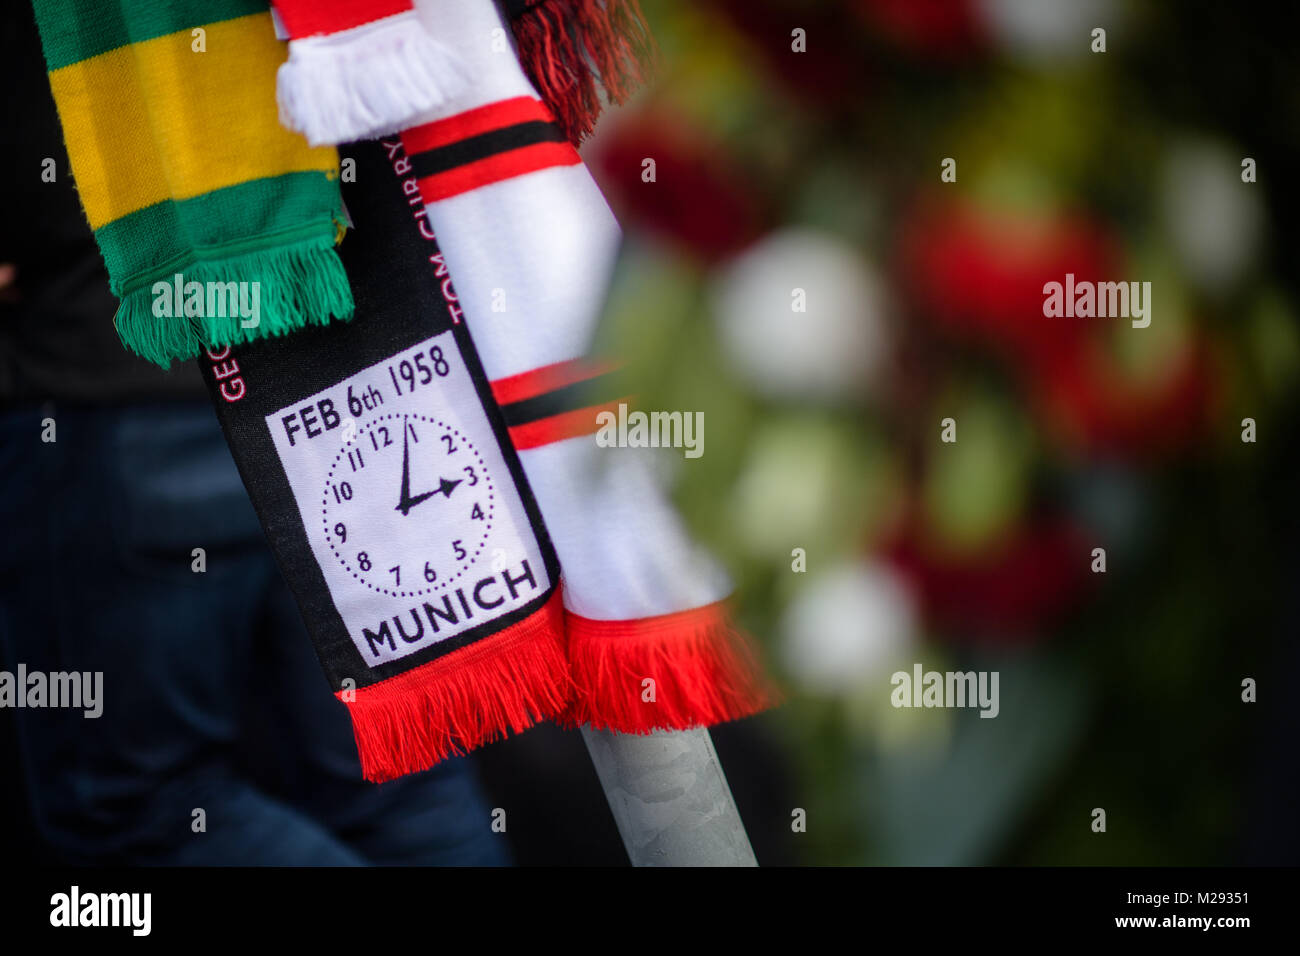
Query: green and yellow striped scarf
(169,112)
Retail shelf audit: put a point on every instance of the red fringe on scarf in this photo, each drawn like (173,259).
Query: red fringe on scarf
(567,47)
(705,672)
(503,683)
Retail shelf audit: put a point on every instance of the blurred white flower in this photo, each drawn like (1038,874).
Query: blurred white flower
(799,482)
(1048,29)
(1213,220)
(849,625)
(801,315)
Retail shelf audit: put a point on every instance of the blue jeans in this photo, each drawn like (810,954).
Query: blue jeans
(212,696)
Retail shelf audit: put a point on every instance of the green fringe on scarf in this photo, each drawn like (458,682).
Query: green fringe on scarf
(169,113)
(299,285)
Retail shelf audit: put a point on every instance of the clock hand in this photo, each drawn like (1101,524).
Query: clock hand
(404,502)
(444,488)
(407,502)
(412,502)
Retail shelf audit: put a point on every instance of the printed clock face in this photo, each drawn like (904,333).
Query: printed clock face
(408,505)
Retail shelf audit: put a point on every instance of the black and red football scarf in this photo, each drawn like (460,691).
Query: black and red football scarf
(383,474)
(441,629)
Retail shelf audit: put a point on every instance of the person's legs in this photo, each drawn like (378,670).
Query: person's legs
(97,574)
(436,818)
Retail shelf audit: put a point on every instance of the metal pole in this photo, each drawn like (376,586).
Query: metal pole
(670,798)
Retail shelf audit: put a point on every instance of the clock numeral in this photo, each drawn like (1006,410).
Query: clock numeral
(397,575)
(460,552)
(430,574)
(414,437)
(452,447)
(363,561)
(473,478)
(341,532)
(342,491)
(477,513)
(359,462)
(374,440)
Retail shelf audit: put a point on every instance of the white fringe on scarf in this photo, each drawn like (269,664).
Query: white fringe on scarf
(367,81)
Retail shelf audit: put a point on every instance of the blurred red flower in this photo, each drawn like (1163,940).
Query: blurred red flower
(1007,593)
(943,28)
(833,62)
(1090,405)
(979,274)
(700,198)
